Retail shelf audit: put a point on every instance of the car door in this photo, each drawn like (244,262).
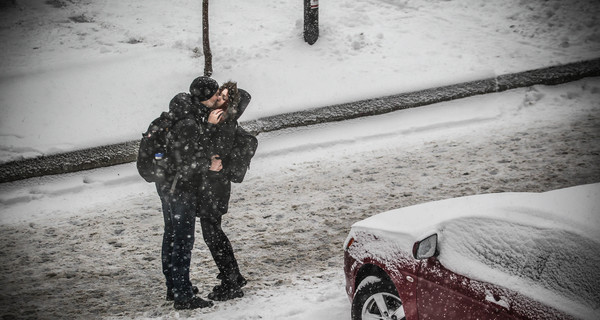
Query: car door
(443,294)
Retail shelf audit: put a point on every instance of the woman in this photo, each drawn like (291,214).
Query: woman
(228,110)
(215,193)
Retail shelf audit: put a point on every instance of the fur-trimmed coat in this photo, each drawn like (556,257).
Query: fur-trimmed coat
(216,189)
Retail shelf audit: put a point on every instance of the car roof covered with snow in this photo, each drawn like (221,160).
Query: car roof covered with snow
(576,209)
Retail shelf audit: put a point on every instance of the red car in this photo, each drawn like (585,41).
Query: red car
(494,256)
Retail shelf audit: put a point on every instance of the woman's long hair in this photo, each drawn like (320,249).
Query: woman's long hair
(230,106)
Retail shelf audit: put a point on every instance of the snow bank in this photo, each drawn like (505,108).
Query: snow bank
(78,74)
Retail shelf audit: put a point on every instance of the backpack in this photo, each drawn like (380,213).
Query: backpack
(238,162)
(153,161)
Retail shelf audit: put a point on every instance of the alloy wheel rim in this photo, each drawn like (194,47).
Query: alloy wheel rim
(383,306)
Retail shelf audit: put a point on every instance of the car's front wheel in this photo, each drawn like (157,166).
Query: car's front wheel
(377,299)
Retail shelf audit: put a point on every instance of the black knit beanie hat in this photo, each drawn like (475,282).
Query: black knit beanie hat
(203,88)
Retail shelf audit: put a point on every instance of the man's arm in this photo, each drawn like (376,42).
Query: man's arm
(190,153)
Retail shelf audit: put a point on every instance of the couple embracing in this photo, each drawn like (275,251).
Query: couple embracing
(201,148)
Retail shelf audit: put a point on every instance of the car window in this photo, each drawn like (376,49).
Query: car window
(557,260)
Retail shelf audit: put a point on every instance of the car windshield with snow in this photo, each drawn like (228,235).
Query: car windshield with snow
(493,256)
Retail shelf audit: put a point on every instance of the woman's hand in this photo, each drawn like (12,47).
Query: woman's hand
(215,163)
(216,116)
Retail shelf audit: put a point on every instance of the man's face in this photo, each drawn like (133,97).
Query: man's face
(212,102)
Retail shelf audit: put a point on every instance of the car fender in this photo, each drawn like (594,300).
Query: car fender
(404,282)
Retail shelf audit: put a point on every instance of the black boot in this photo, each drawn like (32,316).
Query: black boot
(239,281)
(226,292)
(193,303)
(171,295)
(230,288)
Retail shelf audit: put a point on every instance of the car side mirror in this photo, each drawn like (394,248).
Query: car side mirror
(426,248)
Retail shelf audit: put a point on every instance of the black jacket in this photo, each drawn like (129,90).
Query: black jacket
(188,139)
(216,189)
(223,136)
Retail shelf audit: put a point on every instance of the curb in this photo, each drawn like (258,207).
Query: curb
(120,153)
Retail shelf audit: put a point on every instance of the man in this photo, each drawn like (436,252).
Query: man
(189,162)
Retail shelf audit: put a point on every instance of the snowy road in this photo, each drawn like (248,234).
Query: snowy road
(87,245)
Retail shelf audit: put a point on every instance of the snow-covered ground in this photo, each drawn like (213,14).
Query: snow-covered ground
(81,73)
(87,244)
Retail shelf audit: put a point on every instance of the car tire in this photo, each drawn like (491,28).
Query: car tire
(377,299)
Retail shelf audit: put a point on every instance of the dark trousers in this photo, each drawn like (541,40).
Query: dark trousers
(220,248)
(179,211)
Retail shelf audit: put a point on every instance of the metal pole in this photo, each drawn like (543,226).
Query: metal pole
(208,70)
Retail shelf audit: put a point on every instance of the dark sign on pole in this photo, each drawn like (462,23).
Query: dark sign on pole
(311,21)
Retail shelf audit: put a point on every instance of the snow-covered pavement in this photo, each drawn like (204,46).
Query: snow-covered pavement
(87,245)
(75,74)
(80,73)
